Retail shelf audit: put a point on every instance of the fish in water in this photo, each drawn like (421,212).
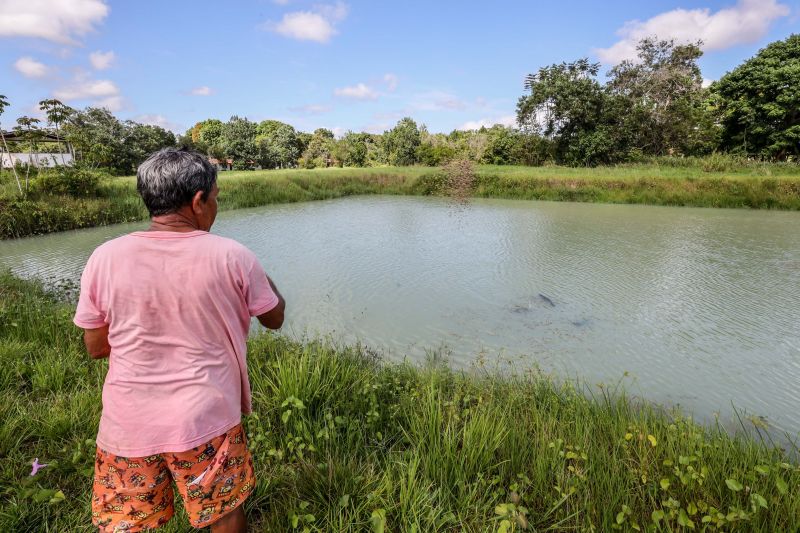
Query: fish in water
(580,323)
(546,300)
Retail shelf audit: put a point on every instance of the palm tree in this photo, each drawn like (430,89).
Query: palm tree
(27,127)
(57,113)
(3,105)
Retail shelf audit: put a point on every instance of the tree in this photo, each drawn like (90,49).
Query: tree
(3,105)
(142,140)
(435,148)
(500,145)
(320,150)
(354,148)
(98,139)
(660,98)
(401,142)
(28,129)
(565,105)
(56,113)
(206,136)
(277,144)
(759,102)
(238,142)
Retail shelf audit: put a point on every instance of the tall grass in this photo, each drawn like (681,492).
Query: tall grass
(716,181)
(345,442)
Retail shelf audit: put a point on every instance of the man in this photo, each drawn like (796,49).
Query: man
(170,307)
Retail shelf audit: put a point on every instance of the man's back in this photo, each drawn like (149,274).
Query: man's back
(178,307)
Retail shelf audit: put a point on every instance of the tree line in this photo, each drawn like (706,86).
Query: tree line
(656,105)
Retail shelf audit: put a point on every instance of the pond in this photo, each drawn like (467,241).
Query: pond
(682,306)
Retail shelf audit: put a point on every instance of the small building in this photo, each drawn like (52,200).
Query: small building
(226,164)
(38,158)
(42,160)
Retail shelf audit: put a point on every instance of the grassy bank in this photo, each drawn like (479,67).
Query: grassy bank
(701,183)
(344,442)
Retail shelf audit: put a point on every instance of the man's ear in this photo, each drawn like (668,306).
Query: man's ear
(197,202)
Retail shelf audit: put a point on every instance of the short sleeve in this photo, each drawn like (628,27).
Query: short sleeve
(88,314)
(258,293)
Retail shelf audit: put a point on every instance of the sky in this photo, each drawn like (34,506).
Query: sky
(357,65)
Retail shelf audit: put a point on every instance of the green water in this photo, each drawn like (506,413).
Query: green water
(696,307)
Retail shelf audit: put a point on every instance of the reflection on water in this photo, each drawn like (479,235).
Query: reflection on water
(701,307)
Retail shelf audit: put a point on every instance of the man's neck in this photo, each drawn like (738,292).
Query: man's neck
(179,222)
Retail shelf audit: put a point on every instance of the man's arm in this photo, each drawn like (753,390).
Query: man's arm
(273,319)
(96,341)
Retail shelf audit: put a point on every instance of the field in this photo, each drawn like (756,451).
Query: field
(346,442)
(668,181)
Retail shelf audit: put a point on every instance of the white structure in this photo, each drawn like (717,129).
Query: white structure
(38,160)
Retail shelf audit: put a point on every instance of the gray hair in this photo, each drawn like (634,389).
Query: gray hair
(169,179)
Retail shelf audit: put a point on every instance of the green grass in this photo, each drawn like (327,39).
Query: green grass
(710,182)
(345,442)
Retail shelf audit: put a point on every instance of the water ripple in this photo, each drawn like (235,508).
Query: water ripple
(702,306)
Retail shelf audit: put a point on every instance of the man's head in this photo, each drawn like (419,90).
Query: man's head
(179,181)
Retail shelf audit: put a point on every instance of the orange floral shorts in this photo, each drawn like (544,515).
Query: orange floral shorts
(135,493)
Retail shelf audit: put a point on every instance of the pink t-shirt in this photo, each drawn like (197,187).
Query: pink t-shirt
(178,307)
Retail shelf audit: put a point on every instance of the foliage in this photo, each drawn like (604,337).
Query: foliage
(566,104)
(3,104)
(144,139)
(652,106)
(100,140)
(345,442)
(319,152)
(400,144)
(500,146)
(357,149)
(277,145)
(718,180)
(75,182)
(661,97)
(760,105)
(238,142)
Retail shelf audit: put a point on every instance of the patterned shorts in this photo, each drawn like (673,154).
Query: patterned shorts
(135,493)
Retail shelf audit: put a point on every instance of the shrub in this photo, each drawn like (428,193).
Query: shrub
(722,162)
(77,182)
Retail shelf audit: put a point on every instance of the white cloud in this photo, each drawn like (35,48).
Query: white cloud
(55,20)
(338,132)
(359,91)
(112,103)
(30,68)
(87,89)
(391,81)
(158,120)
(506,120)
(707,82)
(377,127)
(437,101)
(333,12)
(746,22)
(99,93)
(202,91)
(318,25)
(102,60)
(311,109)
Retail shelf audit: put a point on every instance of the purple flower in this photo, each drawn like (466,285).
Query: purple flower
(36,466)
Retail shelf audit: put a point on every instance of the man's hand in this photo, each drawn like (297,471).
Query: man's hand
(96,341)
(273,319)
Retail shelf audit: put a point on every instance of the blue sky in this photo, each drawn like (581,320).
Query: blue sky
(357,64)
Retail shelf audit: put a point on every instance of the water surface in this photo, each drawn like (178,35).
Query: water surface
(699,307)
